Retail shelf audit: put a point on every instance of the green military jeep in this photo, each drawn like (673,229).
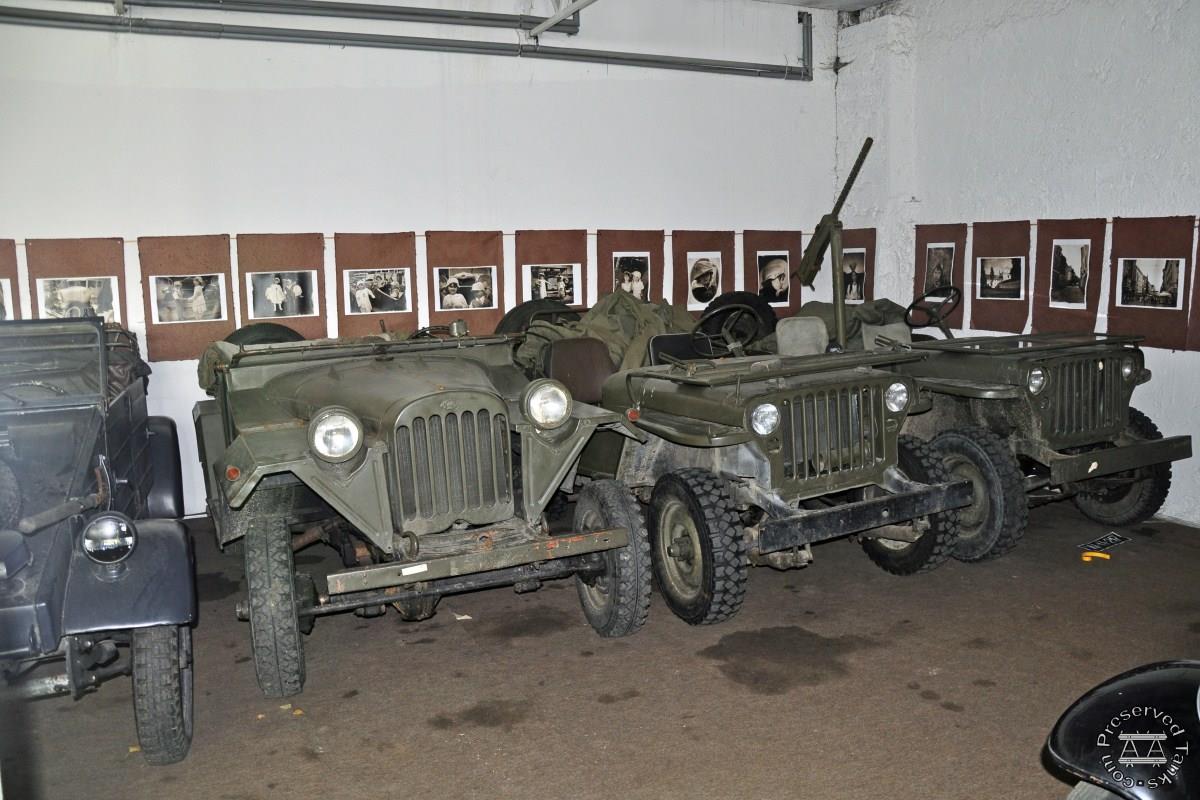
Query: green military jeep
(426,463)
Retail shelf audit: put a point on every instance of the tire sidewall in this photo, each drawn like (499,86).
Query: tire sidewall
(670,487)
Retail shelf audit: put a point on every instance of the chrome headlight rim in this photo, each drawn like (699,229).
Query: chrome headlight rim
(896,397)
(764,418)
(538,388)
(1037,380)
(104,551)
(323,415)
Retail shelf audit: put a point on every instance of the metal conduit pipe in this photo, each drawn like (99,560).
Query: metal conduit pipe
(209,30)
(331,8)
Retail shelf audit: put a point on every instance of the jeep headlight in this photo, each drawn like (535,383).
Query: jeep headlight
(896,397)
(1037,380)
(764,419)
(547,403)
(109,537)
(335,434)
(1128,368)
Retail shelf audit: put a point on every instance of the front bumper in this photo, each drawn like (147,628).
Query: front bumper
(1098,463)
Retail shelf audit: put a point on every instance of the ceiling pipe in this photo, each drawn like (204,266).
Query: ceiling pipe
(390,13)
(209,30)
(572,8)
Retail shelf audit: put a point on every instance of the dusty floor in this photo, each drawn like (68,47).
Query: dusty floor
(838,681)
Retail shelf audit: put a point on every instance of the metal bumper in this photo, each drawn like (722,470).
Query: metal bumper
(1097,463)
(380,576)
(800,528)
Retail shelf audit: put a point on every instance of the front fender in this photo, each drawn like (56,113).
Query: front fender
(155,585)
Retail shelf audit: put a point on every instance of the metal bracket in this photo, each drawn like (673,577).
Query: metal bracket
(119,7)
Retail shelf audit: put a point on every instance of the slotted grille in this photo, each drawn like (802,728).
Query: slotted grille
(452,464)
(832,431)
(1086,395)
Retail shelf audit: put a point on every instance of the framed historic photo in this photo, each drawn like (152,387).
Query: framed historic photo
(561,282)
(464,288)
(282,293)
(385,290)
(60,298)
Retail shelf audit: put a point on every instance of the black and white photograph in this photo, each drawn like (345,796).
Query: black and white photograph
(61,298)
(631,273)
(1151,283)
(939,266)
(1000,278)
(774,277)
(704,279)
(465,288)
(283,293)
(376,291)
(188,298)
(8,303)
(1069,273)
(561,282)
(854,274)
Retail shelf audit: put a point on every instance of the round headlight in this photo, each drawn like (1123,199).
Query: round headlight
(764,419)
(109,538)
(1037,380)
(896,397)
(335,434)
(1127,367)
(547,403)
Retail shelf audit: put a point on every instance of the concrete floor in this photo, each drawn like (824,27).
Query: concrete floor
(838,681)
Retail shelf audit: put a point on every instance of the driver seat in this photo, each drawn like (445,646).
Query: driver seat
(582,365)
(675,345)
(801,336)
(896,331)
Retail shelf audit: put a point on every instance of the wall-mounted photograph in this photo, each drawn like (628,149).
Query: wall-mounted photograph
(1150,283)
(464,288)
(60,298)
(774,277)
(282,293)
(561,282)
(8,303)
(631,273)
(1000,278)
(376,291)
(1069,267)
(704,279)
(188,298)
(854,274)
(939,266)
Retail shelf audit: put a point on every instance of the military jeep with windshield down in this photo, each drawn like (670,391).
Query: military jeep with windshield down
(426,463)
(96,575)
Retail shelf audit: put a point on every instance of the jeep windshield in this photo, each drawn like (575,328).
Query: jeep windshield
(51,363)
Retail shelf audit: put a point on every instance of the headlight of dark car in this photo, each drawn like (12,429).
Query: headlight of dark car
(109,538)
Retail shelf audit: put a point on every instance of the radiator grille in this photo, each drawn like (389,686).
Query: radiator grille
(1086,395)
(453,464)
(832,431)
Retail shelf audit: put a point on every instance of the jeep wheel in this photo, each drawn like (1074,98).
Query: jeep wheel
(1134,502)
(616,601)
(700,559)
(162,692)
(762,308)
(995,521)
(274,627)
(264,333)
(519,318)
(919,462)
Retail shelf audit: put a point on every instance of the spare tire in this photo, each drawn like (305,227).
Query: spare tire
(517,320)
(263,333)
(766,314)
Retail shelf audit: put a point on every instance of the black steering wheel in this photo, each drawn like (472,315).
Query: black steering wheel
(739,326)
(430,332)
(935,311)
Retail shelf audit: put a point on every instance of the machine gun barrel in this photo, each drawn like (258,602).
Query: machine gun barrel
(853,176)
(822,235)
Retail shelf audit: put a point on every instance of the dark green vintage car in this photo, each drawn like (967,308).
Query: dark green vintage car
(426,463)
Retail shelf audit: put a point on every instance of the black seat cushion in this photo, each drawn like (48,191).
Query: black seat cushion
(582,365)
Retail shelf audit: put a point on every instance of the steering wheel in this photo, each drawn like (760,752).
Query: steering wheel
(430,332)
(733,333)
(934,311)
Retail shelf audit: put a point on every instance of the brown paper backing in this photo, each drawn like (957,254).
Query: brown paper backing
(928,234)
(754,241)
(864,238)
(1045,318)
(684,242)
(8,269)
(1151,237)
(466,249)
(76,258)
(355,251)
(263,252)
(609,242)
(999,240)
(184,255)
(553,247)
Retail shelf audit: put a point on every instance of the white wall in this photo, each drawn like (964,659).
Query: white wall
(121,135)
(1023,110)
